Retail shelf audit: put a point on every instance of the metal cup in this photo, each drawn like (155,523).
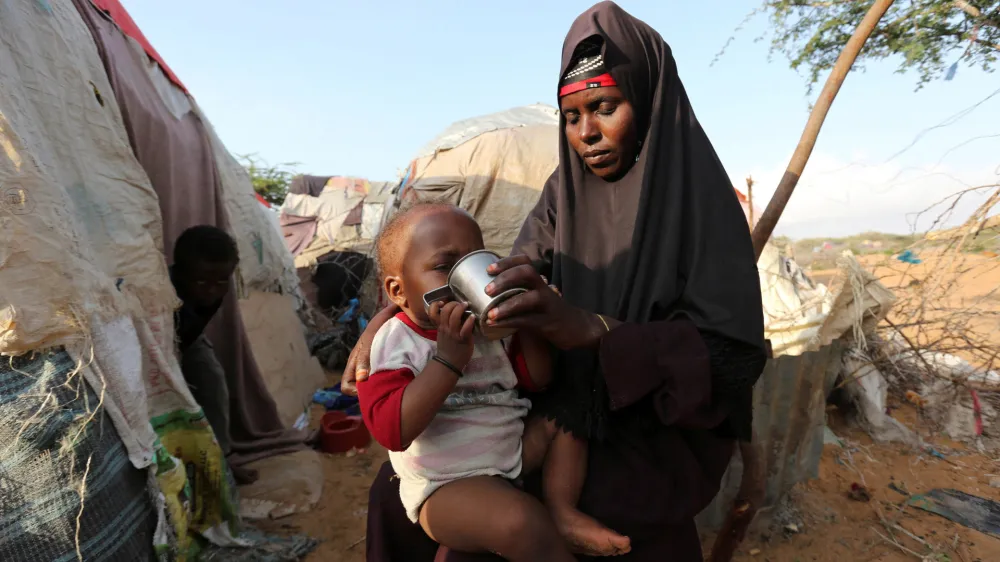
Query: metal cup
(467,283)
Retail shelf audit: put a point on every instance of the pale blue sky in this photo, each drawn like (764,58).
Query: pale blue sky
(352,88)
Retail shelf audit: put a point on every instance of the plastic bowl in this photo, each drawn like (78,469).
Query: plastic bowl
(339,433)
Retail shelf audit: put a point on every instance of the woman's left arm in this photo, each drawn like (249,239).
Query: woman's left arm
(668,360)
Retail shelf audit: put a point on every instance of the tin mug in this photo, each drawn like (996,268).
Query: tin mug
(467,283)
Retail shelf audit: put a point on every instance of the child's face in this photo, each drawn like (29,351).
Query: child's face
(437,240)
(206,282)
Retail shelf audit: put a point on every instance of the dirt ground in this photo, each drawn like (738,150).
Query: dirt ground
(817,522)
(820,522)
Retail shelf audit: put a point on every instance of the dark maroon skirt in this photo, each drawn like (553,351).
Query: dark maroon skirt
(392,537)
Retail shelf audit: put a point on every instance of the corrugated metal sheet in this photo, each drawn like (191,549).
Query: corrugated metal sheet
(789,417)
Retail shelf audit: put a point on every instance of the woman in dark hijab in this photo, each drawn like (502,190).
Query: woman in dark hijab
(659,324)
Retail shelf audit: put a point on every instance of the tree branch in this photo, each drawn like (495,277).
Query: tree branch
(994,46)
(975,12)
(765,226)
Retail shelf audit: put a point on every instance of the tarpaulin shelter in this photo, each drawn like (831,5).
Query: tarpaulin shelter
(324,214)
(492,166)
(329,224)
(104,160)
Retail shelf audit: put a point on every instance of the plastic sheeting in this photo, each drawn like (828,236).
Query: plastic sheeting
(497,176)
(463,131)
(80,221)
(789,419)
(794,308)
(349,213)
(115,369)
(331,207)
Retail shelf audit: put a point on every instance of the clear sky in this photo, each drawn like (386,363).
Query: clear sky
(355,88)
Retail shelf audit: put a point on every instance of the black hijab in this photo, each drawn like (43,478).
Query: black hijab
(667,240)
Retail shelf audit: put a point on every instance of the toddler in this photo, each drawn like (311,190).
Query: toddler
(446,403)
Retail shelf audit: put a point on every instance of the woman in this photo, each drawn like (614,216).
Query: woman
(659,324)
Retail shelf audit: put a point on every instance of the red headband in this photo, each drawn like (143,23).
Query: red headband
(602,81)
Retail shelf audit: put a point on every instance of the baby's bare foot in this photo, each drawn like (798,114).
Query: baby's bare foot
(588,537)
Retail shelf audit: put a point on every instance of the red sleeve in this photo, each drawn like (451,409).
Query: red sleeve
(520,365)
(381,401)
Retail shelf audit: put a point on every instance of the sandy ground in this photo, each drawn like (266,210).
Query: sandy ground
(818,521)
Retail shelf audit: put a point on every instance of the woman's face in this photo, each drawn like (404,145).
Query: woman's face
(600,126)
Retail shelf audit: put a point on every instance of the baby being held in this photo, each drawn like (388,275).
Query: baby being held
(446,402)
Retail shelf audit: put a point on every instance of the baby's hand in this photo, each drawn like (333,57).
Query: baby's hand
(455,342)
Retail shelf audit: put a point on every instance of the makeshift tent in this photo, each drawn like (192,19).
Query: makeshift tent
(104,160)
(327,214)
(329,224)
(199,182)
(492,166)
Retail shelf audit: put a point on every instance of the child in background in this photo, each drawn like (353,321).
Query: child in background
(205,258)
(445,403)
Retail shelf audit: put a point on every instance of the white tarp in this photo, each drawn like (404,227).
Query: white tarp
(496,174)
(467,129)
(80,222)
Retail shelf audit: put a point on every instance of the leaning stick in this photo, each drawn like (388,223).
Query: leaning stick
(751,494)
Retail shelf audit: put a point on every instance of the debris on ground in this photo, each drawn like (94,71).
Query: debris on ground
(965,509)
(899,489)
(859,493)
(830,438)
(915,399)
(868,389)
(333,399)
(909,257)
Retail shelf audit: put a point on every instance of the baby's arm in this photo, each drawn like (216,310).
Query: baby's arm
(396,402)
(538,356)
(398,406)
(422,399)
(532,358)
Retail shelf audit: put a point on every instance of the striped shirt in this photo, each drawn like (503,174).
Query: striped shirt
(477,431)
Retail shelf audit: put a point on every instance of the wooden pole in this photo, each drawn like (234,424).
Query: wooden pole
(750,497)
(786,186)
(750,198)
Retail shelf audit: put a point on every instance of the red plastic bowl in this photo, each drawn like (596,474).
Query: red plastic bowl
(340,433)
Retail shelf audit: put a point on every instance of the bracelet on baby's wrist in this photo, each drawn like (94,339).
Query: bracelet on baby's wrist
(448,365)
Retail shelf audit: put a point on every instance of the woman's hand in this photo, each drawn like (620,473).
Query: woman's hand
(359,361)
(540,308)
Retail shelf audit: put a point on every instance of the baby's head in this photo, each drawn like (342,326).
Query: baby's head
(418,247)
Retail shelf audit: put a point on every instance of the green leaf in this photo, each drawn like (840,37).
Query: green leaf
(926,37)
